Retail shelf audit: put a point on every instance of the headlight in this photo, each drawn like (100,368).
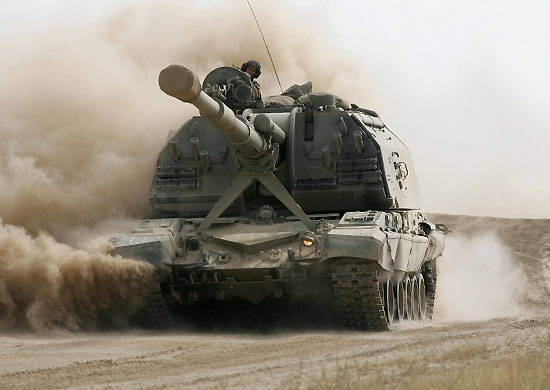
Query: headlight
(307,242)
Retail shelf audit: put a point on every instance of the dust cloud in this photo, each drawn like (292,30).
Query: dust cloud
(47,285)
(478,278)
(82,122)
(81,114)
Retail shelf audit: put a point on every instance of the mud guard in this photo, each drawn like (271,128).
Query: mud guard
(155,249)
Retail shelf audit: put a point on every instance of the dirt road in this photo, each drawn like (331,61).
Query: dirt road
(292,356)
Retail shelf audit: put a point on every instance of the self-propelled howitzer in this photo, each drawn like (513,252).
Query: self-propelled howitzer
(296,196)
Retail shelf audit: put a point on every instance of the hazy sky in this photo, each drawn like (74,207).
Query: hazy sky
(465,83)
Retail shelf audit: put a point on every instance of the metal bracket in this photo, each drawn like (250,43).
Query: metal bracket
(241,183)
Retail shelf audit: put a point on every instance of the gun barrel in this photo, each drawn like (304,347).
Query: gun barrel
(181,83)
(265,125)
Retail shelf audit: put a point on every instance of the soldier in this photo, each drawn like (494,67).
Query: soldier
(252,67)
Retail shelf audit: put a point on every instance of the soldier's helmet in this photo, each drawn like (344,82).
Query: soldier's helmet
(255,64)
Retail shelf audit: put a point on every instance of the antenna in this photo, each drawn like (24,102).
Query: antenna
(265,43)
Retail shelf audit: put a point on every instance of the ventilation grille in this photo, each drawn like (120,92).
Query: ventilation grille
(184,178)
(328,183)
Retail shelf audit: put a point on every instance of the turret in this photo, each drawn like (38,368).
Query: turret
(336,157)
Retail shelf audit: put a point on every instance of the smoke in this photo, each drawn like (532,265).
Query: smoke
(46,285)
(479,279)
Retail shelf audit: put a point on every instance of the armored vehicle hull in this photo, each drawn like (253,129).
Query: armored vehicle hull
(268,210)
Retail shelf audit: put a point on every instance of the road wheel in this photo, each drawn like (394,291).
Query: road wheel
(389,298)
(409,292)
(401,299)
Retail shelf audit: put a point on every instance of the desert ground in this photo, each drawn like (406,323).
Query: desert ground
(495,336)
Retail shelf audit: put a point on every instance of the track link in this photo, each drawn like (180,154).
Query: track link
(359,297)
(430,279)
(155,313)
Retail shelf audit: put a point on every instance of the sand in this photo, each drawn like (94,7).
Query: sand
(293,355)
